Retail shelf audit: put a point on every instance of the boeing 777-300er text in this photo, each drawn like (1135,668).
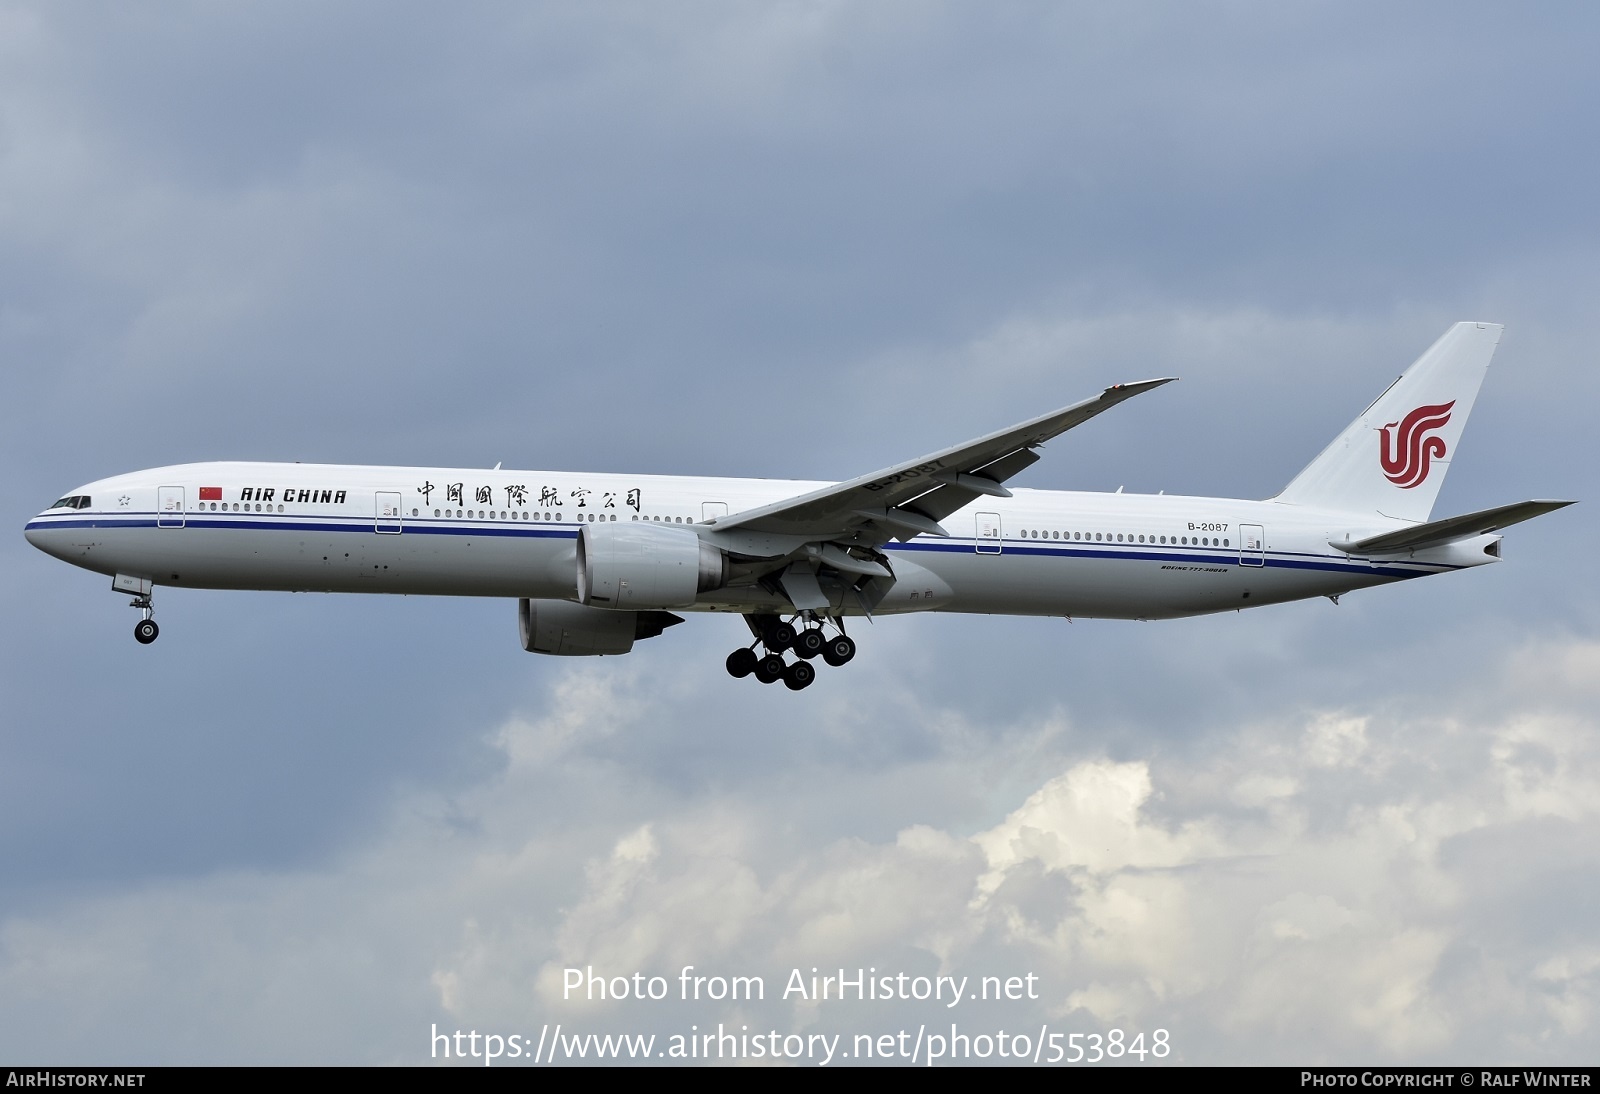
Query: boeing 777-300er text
(597,562)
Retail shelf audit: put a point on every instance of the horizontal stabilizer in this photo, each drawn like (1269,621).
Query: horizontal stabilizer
(1439,532)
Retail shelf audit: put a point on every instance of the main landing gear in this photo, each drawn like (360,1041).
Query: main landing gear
(777,636)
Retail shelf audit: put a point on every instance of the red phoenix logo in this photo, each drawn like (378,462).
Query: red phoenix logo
(1406,455)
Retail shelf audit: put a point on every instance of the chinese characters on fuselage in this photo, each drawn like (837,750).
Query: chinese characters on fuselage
(516,495)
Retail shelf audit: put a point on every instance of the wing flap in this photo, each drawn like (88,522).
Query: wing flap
(802,588)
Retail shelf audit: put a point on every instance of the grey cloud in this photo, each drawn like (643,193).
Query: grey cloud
(800,240)
(1238,897)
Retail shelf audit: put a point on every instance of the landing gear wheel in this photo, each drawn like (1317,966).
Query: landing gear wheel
(809,642)
(839,650)
(145,631)
(798,675)
(741,663)
(769,670)
(780,637)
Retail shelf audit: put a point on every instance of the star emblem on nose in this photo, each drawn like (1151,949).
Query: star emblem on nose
(124,501)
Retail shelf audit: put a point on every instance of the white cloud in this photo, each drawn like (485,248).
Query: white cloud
(1297,924)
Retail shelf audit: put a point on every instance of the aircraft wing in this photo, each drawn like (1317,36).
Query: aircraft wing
(1439,532)
(911,498)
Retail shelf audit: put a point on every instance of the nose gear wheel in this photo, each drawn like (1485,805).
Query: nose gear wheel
(145,630)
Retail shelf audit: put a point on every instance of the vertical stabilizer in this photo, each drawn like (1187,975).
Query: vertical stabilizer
(1392,460)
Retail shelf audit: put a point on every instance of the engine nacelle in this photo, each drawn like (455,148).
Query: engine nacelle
(638,565)
(572,630)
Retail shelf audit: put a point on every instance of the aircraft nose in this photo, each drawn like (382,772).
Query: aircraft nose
(35,534)
(43,534)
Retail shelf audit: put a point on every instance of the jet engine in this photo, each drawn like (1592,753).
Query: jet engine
(638,565)
(572,630)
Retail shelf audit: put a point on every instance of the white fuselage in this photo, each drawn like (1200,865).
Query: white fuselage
(457,532)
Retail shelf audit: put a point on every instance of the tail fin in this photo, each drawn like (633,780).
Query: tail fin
(1392,460)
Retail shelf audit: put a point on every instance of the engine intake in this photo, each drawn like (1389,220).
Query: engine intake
(639,565)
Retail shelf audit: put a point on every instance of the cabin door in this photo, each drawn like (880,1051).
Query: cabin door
(988,541)
(169,507)
(388,513)
(1252,545)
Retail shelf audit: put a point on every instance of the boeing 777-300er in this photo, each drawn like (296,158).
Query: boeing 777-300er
(597,562)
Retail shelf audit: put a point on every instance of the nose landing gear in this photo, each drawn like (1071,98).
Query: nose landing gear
(145,630)
(141,587)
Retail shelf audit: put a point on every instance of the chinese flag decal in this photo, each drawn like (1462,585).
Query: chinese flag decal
(211,493)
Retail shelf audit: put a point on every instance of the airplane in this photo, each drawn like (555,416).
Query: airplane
(598,562)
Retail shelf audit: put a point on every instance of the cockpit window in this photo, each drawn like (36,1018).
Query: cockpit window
(76,501)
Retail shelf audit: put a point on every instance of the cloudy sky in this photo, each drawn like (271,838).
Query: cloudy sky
(797,240)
